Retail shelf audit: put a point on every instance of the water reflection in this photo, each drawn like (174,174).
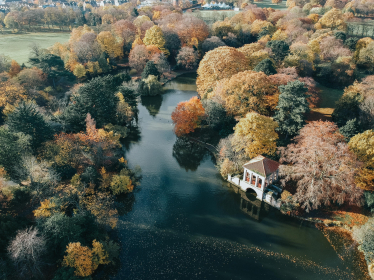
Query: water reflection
(133,136)
(188,154)
(253,207)
(152,104)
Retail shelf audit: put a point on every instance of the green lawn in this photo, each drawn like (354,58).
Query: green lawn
(16,46)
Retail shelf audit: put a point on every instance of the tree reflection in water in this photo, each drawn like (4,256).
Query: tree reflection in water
(188,154)
(250,205)
(124,203)
(133,136)
(152,104)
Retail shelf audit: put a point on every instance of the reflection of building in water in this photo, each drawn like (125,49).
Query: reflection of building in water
(252,206)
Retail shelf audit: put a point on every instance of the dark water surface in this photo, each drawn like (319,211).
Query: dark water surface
(186,223)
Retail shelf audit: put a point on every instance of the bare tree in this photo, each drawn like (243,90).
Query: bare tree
(42,179)
(26,251)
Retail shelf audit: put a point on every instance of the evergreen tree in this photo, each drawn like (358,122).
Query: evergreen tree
(266,66)
(279,48)
(51,64)
(350,129)
(96,97)
(150,69)
(27,119)
(12,147)
(292,108)
(103,63)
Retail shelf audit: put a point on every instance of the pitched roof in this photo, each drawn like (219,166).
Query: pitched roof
(262,165)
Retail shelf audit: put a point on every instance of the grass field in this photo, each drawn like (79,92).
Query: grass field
(16,46)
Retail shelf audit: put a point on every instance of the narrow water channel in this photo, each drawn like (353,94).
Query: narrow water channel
(187,223)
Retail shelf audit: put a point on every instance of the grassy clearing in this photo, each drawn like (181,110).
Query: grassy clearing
(16,46)
(329,96)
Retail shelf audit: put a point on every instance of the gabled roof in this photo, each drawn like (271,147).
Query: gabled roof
(262,165)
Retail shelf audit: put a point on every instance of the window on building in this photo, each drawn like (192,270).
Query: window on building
(253,182)
(259,183)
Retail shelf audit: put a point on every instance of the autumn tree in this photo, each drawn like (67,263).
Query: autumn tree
(31,78)
(292,108)
(138,57)
(154,36)
(84,259)
(11,92)
(332,19)
(244,92)
(187,58)
(14,68)
(110,44)
(220,63)
(323,167)
(212,43)
(186,117)
(255,135)
(362,145)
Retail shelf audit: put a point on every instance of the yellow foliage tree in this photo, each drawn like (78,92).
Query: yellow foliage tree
(255,135)
(113,46)
(332,19)
(279,35)
(45,209)
(83,259)
(80,258)
(245,92)
(79,71)
(121,183)
(10,93)
(154,36)
(362,145)
(220,63)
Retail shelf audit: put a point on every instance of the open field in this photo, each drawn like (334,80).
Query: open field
(16,46)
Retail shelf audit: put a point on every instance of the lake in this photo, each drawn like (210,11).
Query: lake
(187,223)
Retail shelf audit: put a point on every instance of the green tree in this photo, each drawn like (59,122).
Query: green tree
(27,119)
(292,108)
(150,69)
(12,147)
(51,64)
(279,48)
(96,97)
(266,66)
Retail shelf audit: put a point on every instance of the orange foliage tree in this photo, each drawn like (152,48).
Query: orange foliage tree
(187,116)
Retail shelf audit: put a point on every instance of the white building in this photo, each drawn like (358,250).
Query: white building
(259,175)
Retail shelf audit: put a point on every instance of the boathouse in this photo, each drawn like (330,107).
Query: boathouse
(260,173)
